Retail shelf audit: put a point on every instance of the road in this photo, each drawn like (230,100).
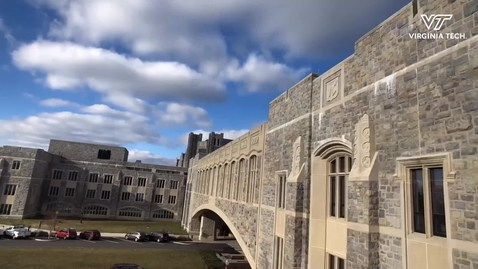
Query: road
(112,243)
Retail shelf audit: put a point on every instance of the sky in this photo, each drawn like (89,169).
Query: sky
(143,74)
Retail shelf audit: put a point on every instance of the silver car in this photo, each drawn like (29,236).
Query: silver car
(136,236)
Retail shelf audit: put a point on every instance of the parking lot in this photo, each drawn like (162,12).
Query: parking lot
(109,242)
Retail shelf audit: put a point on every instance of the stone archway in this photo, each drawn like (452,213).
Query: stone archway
(197,214)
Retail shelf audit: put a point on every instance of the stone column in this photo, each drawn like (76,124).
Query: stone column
(362,207)
(207,231)
(194,228)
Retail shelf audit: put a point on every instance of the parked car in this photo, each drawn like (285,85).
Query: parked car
(90,235)
(136,236)
(67,233)
(158,236)
(19,231)
(126,266)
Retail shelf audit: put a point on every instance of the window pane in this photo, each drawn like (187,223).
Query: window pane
(438,202)
(342,194)
(341,264)
(333,166)
(350,164)
(418,201)
(332,196)
(341,164)
(331,262)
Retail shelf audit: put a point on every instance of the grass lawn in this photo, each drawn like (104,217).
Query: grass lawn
(107,226)
(82,258)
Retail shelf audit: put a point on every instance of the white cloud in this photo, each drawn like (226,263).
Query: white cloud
(98,124)
(182,114)
(228,134)
(53,102)
(257,74)
(148,157)
(195,32)
(121,79)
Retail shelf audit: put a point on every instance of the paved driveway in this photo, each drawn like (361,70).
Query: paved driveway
(110,242)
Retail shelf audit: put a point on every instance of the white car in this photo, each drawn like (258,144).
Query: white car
(17,232)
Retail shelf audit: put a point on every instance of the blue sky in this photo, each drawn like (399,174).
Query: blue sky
(143,74)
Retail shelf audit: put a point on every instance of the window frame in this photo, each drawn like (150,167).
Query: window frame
(425,162)
(281,193)
(14,167)
(348,163)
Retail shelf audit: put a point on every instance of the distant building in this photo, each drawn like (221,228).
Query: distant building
(97,181)
(197,146)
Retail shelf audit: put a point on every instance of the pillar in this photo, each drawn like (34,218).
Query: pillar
(207,231)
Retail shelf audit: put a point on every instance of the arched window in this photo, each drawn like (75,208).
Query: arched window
(220,180)
(232,181)
(226,181)
(95,210)
(62,208)
(163,214)
(251,188)
(130,212)
(338,172)
(240,180)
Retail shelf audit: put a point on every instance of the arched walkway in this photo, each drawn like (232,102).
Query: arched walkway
(205,208)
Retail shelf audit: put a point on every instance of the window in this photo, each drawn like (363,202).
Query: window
(104,154)
(279,253)
(339,169)
(108,179)
(281,186)
(54,191)
(130,212)
(240,180)
(95,210)
(16,165)
(10,189)
(5,209)
(90,194)
(127,181)
(163,214)
(173,185)
(225,188)
(93,178)
(105,195)
(69,192)
(172,199)
(336,262)
(232,181)
(73,176)
(142,182)
(160,183)
(414,8)
(158,198)
(60,207)
(139,197)
(253,163)
(427,184)
(125,196)
(57,174)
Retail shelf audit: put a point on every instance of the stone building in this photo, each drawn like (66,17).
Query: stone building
(372,164)
(197,146)
(95,181)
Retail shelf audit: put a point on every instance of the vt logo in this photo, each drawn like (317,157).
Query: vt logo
(435,22)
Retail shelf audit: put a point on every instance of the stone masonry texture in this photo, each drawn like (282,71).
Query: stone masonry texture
(422,99)
(35,177)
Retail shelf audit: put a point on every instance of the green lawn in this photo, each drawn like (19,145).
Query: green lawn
(107,226)
(80,258)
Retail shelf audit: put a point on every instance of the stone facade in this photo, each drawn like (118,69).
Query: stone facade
(346,192)
(43,179)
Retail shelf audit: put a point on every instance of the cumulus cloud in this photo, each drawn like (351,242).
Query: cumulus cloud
(68,66)
(182,114)
(54,102)
(307,29)
(228,134)
(148,157)
(257,74)
(97,124)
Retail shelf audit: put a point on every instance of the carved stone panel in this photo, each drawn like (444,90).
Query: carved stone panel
(332,88)
(234,148)
(254,140)
(243,144)
(297,156)
(364,144)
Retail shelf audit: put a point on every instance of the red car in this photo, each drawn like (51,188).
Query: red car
(66,234)
(90,235)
